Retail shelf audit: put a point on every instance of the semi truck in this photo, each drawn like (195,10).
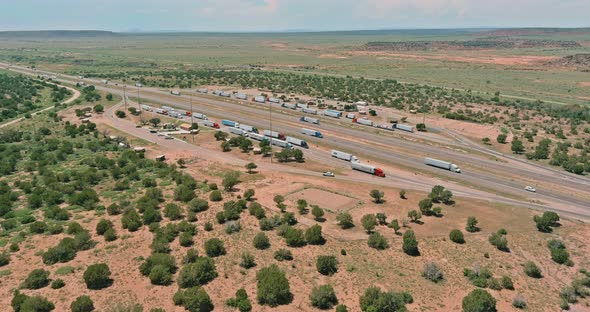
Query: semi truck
(260,99)
(289,106)
(200,116)
(350,116)
(241,96)
(310,119)
(168,108)
(442,164)
(229,123)
(238,131)
(280,143)
(147,108)
(257,137)
(343,156)
(310,111)
(183,112)
(363,121)
(161,111)
(247,128)
(175,92)
(273,134)
(274,100)
(211,124)
(302,105)
(202,90)
(298,142)
(355,165)
(225,94)
(312,133)
(404,127)
(332,113)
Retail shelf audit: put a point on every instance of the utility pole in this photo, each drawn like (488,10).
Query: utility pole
(125,96)
(270,110)
(190,96)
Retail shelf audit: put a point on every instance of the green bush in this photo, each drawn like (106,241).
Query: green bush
(198,273)
(248,261)
(261,241)
(294,237)
(313,235)
(158,259)
(57,284)
(241,301)
(194,299)
(374,299)
(215,196)
(323,297)
(506,282)
(36,279)
(173,211)
(283,254)
(63,252)
(214,247)
(327,265)
(184,193)
(198,205)
(273,287)
(110,235)
(377,241)
(160,275)
(97,276)
(479,300)
(456,236)
(341,308)
(102,226)
(36,304)
(532,270)
(410,244)
(4,259)
(82,304)
(344,220)
(38,227)
(131,220)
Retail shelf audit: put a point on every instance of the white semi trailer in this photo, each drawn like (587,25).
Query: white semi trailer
(442,164)
(343,156)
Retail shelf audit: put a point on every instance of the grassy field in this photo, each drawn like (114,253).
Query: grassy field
(326,53)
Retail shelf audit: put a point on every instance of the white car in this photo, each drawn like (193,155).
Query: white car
(530,188)
(328,174)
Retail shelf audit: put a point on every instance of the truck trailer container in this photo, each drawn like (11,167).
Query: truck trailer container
(247,128)
(302,105)
(229,123)
(274,100)
(442,164)
(332,113)
(161,111)
(289,106)
(404,127)
(311,132)
(355,165)
(310,119)
(168,108)
(260,99)
(298,142)
(257,137)
(202,90)
(273,134)
(147,108)
(343,156)
(363,121)
(238,131)
(175,92)
(211,124)
(350,116)
(200,116)
(241,96)
(310,111)
(225,94)
(280,143)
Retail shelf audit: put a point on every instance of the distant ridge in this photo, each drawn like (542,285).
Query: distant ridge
(56,34)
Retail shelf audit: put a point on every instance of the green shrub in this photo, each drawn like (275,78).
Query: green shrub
(506,282)
(102,226)
(160,275)
(294,237)
(97,276)
(158,259)
(82,304)
(377,241)
(341,308)
(374,299)
(131,220)
(479,300)
(313,235)
(36,304)
(200,272)
(519,303)
(283,254)
(198,205)
(327,265)
(410,244)
(214,247)
(532,270)
(173,211)
(261,241)
(456,236)
(36,279)
(194,299)
(248,261)
(4,259)
(323,297)
(38,227)
(110,235)
(241,301)
(432,272)
(57,284)
(215,196)
(273,287)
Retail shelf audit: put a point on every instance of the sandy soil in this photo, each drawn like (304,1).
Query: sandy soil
(482,58)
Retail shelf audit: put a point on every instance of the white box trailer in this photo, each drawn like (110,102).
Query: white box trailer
(168,108)
(225,94)
(350,116)
(310,119)
(211,124)
(357,165)
(302,105)
(238,131)
(202,90)
(241,96)
(310,111)
(298,142)
(442,164)
(147,108)
(200,116)
(274,100)
(160,111)
(175,92)
(404,127)
(257,137)
(343,155)
(247,128)
(332,113)
(139,149)
(364,121)
(260,99)
(216,92)
(280,143)
(273,134)
(311,132)
(289,105)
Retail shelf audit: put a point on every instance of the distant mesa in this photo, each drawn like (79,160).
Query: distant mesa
(56,34)
(578,61)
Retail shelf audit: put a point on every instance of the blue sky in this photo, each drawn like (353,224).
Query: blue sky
(278,15)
